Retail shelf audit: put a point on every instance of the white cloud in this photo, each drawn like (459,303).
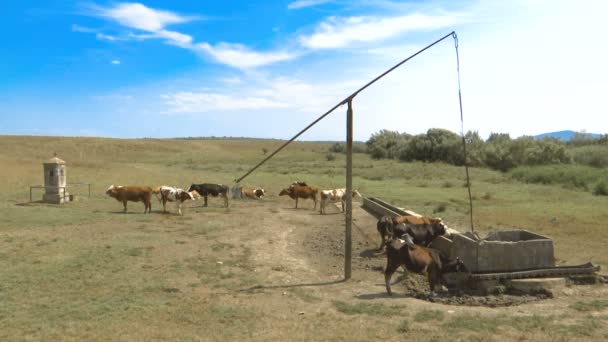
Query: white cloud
(189,102)
(305,3)
(239,56)
(115,62)
(152,21)
(136,15)
(337,32)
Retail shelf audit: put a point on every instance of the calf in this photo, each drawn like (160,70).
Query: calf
(170,194)
(256,193)
(418,259)
(300,191)
(214,190)
(131,193)
(335,195)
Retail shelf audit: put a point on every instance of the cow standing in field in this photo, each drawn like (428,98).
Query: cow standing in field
(132,193)
(256,193)
(423,230)
(300,191)
(335,195)
(214,190)
(418,259)
(170,194)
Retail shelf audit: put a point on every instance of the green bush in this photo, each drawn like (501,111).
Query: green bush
(601,189)
(593,155)
(577,176)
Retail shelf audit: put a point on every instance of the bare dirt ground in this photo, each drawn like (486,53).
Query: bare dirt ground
(301,248)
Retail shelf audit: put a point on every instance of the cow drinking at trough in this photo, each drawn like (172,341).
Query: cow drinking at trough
(170,194)
(423,230)
(214,190)
(418,259)
(301,191)
(131,193)
(333,196)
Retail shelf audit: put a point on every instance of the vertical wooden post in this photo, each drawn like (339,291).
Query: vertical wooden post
(349,191)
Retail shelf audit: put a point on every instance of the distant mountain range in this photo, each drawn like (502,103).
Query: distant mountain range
(563,135)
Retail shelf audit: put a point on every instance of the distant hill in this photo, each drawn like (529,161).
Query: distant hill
(562,135)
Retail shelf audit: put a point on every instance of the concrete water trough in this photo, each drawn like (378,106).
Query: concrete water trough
(504,251)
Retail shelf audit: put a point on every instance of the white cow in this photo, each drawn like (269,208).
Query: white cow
(171,194)
(333,196)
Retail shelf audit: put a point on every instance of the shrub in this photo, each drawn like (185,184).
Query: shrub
(337,148)
(330,157)
(601,189)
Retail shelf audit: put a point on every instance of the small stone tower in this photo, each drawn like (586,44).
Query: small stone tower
(55,181)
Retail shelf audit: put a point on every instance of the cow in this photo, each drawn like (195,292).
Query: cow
(385,229)
(170,194)
(256,193)
(300,191)
(131,193)
(214,190)
(418,259)
(423,230)
(335,195)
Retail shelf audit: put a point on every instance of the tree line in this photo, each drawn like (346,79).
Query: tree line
(499,151)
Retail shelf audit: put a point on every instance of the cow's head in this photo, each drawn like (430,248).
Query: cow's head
(285,192)
(111,190)
(438,226)
(191,187)
(185,195)
(259,192)
(460,266)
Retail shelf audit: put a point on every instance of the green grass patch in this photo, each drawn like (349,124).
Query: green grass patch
(367,309)
(594,305)
(429,315)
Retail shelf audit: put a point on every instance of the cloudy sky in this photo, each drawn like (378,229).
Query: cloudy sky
(267,69)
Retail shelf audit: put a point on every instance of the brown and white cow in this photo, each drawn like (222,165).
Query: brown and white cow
(300,191)
(333,196)
(418,259)
(256,193)
(170,194)
(131,193)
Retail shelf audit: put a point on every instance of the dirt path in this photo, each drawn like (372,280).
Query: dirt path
(301,248)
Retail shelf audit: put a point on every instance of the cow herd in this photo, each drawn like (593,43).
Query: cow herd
(406,238)
(164,194)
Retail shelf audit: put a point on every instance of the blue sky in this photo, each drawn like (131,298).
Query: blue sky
(267,69)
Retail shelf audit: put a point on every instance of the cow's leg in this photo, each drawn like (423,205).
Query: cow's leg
(296,203)
(392,263)
(382,242)
(315,199)
(124,204)
(179,207)
(205,201)
(342,201)
(226,200)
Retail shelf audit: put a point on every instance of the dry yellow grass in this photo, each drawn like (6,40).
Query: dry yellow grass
(86,271)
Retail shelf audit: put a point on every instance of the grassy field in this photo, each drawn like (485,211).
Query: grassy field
(87,271)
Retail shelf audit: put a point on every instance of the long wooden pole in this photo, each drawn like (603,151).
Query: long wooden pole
(349,191)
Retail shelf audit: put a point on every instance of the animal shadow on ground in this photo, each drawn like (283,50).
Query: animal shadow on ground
(266,287)
(371,253)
